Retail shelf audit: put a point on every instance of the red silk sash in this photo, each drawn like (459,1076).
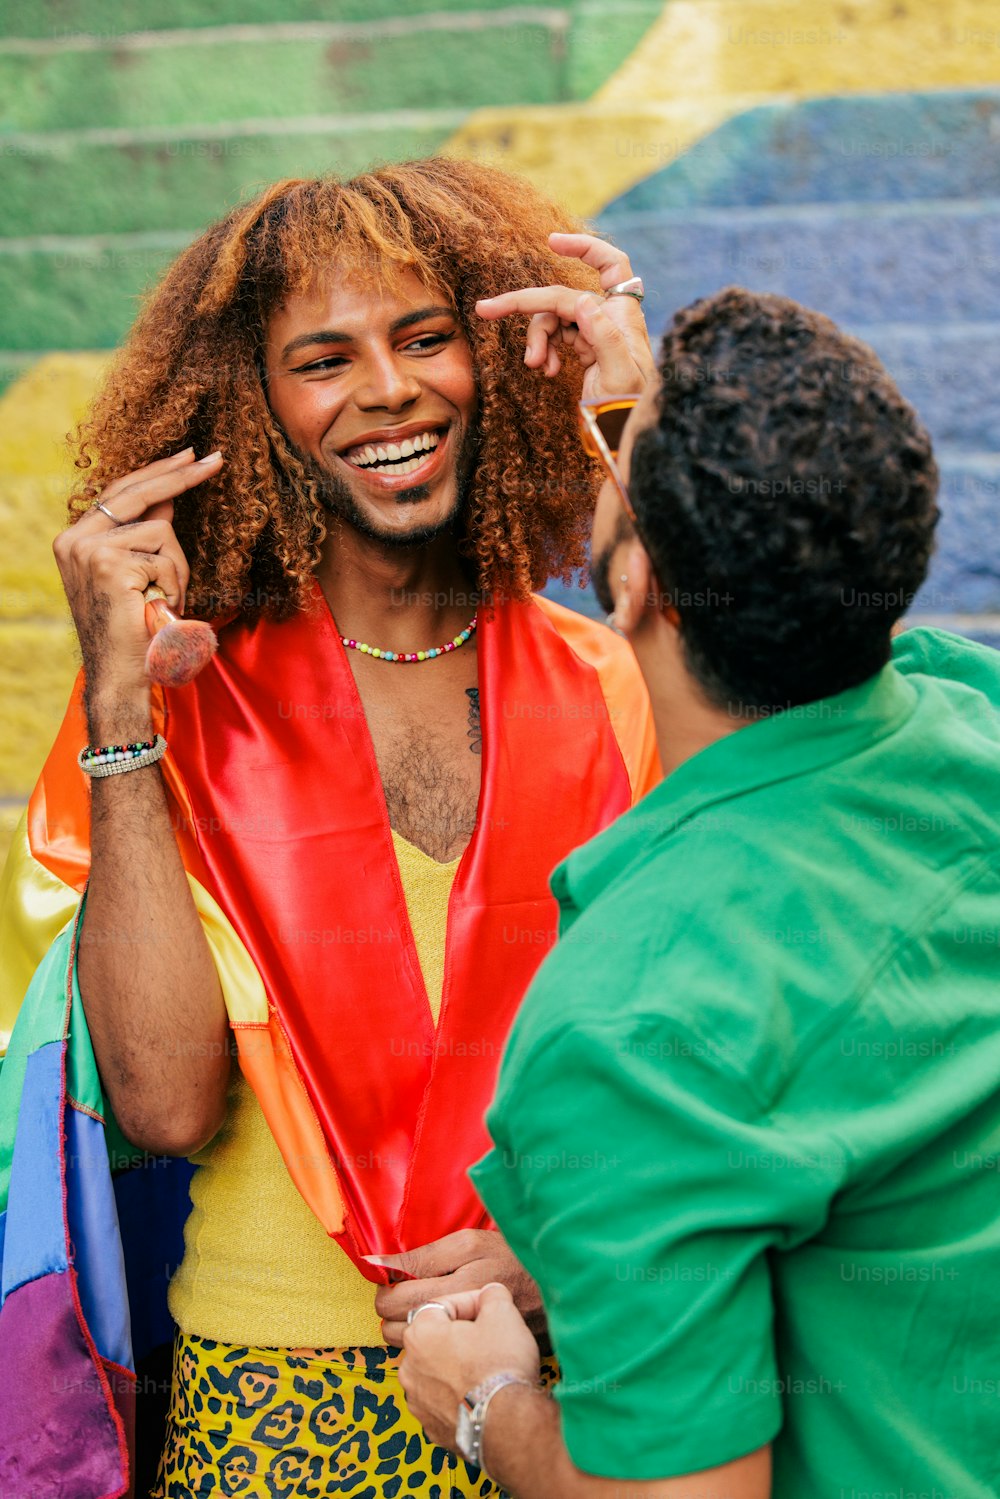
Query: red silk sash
(294,842)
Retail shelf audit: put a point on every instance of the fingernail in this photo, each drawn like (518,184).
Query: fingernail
(184,452)
(211,457)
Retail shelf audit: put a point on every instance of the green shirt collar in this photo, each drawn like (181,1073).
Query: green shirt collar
(777,748)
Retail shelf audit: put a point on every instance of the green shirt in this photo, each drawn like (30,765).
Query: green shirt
(747,1129)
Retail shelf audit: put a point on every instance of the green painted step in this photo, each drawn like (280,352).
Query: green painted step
(73,187)
(602,35)
(78,298)
(66,18)
(233,80)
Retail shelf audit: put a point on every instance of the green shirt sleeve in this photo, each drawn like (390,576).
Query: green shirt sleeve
(646,1200)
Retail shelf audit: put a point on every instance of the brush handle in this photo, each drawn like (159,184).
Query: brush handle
(158,611)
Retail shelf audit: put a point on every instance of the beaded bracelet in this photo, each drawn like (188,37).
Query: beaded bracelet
(116,759)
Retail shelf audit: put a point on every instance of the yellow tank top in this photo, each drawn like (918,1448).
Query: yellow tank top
(258,1267)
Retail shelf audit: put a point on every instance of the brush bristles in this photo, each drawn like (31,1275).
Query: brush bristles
(179,651)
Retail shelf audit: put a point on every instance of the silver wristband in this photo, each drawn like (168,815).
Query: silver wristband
(471,1424)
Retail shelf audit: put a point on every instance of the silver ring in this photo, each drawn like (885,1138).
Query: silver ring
(107,512)
(425,1306)
(633,287)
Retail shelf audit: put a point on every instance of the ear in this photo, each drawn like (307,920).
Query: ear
(639,593)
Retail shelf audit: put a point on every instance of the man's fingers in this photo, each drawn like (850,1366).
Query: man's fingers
(543,326)
(150,471)
(135,494)
(154,536)
(560,300)
(470,1304)
(625,358)
(442,1256)
(119,575)
(393,1308)
(393,1302)
(494,1297)
(612,263)
(466,1304)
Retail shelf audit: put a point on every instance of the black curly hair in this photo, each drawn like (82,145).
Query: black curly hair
(786,493)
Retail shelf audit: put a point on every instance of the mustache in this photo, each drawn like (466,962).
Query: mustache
(336,497)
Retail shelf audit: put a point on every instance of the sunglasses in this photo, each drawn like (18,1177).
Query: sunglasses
(601,426)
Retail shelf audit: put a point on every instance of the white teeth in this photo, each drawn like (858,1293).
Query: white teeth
(374,455)
(396,468)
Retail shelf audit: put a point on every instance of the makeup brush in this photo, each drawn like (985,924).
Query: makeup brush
(178,648)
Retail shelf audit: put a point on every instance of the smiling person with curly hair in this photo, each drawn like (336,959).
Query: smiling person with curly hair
(199,370)
(329,854)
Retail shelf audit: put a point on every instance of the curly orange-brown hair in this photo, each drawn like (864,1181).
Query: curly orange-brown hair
(189,374)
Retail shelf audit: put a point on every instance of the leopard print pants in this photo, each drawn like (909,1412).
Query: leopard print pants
(264,1424)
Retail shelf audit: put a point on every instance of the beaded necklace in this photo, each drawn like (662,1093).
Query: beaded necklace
(404,657)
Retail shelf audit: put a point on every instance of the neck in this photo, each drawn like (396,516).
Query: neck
(393,597)
(685,721)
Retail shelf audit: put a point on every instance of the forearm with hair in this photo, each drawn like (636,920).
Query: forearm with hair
(148,981)
(525,1454)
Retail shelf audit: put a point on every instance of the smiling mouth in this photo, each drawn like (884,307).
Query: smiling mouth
(395,459)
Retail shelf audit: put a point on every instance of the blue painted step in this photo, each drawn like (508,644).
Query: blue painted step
(930,262)
(884,213)
(870,148)
(951,374)
(965,570)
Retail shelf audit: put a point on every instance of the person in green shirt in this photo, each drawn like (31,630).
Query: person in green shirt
(747,1128)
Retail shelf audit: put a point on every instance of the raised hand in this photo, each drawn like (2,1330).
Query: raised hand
(106,560)
(608,336)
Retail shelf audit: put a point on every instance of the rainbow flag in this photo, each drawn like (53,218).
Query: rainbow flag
(282,826)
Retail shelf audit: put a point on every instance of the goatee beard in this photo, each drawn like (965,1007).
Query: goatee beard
(337,499)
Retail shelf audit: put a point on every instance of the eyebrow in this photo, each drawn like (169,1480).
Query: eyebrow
(334,336)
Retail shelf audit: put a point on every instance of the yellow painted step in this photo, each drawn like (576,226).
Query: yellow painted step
(807,48)
(704,61)
(37,665)
(38,657)
(583,155)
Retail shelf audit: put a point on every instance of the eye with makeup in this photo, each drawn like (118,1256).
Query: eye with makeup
(425,343)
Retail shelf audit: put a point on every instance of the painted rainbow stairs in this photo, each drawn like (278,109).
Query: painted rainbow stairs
(882,211)
(124,131)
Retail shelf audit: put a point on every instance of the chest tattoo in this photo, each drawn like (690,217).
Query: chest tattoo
(474,733)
